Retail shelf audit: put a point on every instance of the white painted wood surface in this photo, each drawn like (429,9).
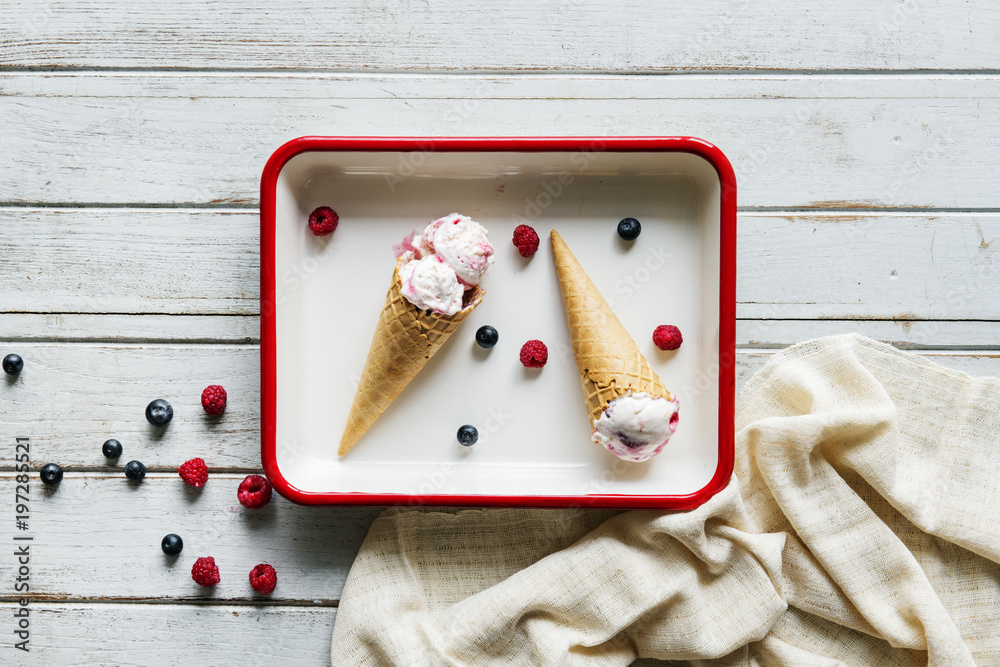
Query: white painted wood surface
(181,635)
(132,135)
(589,35)
(795,140)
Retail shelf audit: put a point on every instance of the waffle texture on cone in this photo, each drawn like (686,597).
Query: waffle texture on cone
(607,357)
(405,339)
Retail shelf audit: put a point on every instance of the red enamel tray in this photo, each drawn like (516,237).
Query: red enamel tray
(320,299)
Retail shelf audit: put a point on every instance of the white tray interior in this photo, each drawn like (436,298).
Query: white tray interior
(534,432)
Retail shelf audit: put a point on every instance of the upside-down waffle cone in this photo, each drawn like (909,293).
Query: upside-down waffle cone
(405,339)
(610,362)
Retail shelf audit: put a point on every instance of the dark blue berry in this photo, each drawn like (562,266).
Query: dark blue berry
(12,364)
(159,412)
(135,471)
(468,435)
(172,544)
(112,449)
(51,474)
(629,229)
(487,336)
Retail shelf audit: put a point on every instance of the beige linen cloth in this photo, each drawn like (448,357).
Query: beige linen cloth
(862,527)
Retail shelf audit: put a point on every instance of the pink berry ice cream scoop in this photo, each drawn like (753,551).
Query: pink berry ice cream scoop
(636,427)
(448,258)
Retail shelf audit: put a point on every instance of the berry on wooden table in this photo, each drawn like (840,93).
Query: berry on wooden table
(205,572)
(194,472)
(263,578)
(213,399)
(135,471)
(51,474)
(159,412)
(172,544)
(112,448)
(12,364)
(254,492)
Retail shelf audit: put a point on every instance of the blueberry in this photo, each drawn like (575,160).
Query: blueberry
(51,474)
(172,544)
(12,364)
(629,229)
(112,449)
(468,435)
(135,471)
(159,412)
(487,336)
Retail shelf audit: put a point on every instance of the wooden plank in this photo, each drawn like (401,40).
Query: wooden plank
(521,35)
(128,328)
(71,397)
(129,261)
(98,537)
(179,634)
(903,333)
(795,141)
(891,267)
(869,267)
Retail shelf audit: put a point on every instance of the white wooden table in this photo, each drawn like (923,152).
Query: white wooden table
(865,136)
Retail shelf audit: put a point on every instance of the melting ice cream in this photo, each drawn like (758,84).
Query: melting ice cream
(449,258)
(635,427)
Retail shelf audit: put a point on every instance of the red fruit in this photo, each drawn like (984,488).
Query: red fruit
(263,578)
(323,221)
(213,399)
(525,240)
(194,472)
(534,354)
(254,492)
(667,337)
(205,572)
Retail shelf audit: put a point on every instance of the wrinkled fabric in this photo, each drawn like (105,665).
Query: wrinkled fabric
(860,527)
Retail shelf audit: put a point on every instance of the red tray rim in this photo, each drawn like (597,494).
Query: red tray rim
(727,315)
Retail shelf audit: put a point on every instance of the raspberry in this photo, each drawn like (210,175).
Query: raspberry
(213,399)
(254,492)
(263,578)
(194,472)
(323,221)
(525,240)
(667,337)
(205,572)
(534,354)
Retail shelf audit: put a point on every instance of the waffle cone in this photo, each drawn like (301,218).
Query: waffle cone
(405,340)
(609,361)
